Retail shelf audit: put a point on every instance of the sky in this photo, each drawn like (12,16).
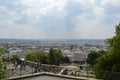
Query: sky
(58,19)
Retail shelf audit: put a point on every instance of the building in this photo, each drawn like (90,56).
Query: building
(79,56)
(69,54)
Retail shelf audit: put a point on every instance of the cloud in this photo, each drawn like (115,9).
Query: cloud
(6,14)
(99,20)
(114,3)
(86,28)
(41,7)
(12,30)
(58,18)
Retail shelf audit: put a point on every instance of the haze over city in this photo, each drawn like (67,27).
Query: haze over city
(58,19)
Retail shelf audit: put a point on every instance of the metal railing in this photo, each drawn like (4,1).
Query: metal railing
(29,68)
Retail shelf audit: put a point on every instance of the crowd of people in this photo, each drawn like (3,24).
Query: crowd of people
(20,62)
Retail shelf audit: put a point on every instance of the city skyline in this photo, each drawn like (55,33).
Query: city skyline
(58,19)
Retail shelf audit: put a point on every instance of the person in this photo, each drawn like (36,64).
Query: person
(15,63)
(81,67)
(38,66)
(22,63)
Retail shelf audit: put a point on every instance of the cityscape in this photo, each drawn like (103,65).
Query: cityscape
(76,50)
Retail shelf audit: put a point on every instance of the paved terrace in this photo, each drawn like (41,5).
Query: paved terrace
(48,76)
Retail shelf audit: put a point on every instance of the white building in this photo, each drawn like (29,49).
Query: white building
(69,54)
(79,56)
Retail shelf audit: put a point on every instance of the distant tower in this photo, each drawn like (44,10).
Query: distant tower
(72,47)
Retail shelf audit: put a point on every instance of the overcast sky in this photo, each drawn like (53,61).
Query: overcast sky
(58,19)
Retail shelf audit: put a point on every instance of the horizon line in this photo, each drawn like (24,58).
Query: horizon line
(57,39)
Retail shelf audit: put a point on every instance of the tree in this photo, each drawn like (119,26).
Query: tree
(110,62)
(15,56)
(59,56)
(52,57)
(37,56)
(3,71)
(92,56)
(3,58)
(66,60)
(41,56)
(4,48)
(55,56)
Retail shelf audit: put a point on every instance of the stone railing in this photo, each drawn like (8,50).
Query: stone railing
(44,67)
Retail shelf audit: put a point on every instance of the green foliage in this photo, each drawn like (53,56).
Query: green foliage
(55,56)
(51,57)
(37,56)
(66,60)
(5,58)
(41,56)
(15,56)
(92,56)
(110,62)
(2,70)
(4,48)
